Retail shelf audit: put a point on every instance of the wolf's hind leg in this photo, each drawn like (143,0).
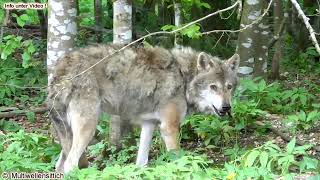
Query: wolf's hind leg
(169,127)
(64,134)
(83,116)
(147,129)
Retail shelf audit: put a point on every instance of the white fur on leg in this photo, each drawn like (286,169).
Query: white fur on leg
(59,164)
(147,129)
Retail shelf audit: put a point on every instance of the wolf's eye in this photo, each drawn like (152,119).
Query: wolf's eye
(213,87)
(229,86)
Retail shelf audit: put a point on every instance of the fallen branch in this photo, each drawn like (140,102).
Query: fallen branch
(308,26)
(286,137)
(15,113)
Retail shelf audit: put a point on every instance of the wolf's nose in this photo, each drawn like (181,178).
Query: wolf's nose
(226,108)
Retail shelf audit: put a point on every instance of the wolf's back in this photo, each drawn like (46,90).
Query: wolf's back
(133,76)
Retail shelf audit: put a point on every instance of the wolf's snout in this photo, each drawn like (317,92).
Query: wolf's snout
(225,108)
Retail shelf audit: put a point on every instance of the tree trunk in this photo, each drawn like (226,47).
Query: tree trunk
(98,18)
(278,16)
(253,41)
(43,22)
(122,21)
(62,30)
(122,34)
(178,18)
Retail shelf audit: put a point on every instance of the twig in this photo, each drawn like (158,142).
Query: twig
(215,45)
(244,27)
(23,112)
(308,26)
(278,34)
(286,137)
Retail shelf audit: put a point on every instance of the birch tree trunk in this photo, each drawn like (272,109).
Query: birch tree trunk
(253,41)
(278,16)
(62,30)
(122,21)
(122,34)
(178,18)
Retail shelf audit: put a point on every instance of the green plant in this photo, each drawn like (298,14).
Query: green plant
(10,126)
(210,128)
(19,71)
(269,161)
(27,152)
(265,95)
(303,120)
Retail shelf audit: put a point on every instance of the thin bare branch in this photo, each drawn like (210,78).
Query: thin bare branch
(308,26)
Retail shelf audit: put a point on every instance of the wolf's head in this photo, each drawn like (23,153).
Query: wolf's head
(212,88)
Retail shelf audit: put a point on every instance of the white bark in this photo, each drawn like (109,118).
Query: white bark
(122,21)
(177,22)
(62,30)
(253,41)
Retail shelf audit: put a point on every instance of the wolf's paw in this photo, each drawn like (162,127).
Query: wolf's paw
(69,166)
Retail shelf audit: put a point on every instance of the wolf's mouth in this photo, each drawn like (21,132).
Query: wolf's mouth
(217,112)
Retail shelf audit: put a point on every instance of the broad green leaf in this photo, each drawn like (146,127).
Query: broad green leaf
(168,27)
(20,22)
(313,115)
(26,59)
(24,17)
(309,163)
(302,116)
(206,5)
(263,158)
(303,99)
(251,158)
(291,145)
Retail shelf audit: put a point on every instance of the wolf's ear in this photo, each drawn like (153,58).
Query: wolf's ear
(204,63)
(233,62)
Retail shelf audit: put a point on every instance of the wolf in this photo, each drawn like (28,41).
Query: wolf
(150,87)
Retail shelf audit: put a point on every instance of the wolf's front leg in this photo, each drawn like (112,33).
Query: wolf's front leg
(169,127)
(147,129)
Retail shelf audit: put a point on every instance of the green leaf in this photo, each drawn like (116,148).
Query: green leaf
(251,158)
(302,116)
(168,27)
(192,31)
(206,5)
(31,116)
(313,115)
(291,145)
(309,163)
(31,49)
(26,59)
(21,20)
(303,99)
(263,158)
(25,17)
